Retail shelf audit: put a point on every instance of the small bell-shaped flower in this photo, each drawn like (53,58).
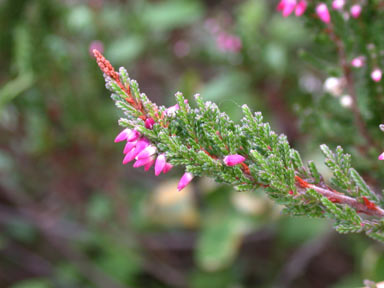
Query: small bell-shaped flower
(160,164)
(232,160)
(185,180)
(127,134)
(147,152)
(323,13)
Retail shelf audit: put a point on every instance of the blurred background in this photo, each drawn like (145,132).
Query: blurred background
(71,215)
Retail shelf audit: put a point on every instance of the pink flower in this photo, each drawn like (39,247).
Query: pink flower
(129,156)
(167,167)
(338,4)
(141,145)
(323,13)
(381,156)
(149,164)
(228,43)
(358,62)
(300,8)
(185,180)
(146,152)
(129,146)
(144,161)
(149,123)
(127,134)
(355,11)
(287,7)
(376,75)
(160,164)
(170,111)
(232,160)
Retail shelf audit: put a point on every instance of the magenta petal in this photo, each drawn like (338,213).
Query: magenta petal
(232,160)
(142,144)
(129,146)
(149,165)
(300,8)
(129,156)
(147,152)
(149,123)
(143,162)
(289,6)
(133,135)
(167,167)
(185,180)
(323,13)
(381,156)
(122,135)
(160,164)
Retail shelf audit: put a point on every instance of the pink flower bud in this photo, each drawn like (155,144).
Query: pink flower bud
(323,13)
(167,167)
(232,160)
(147,152)
(141,145)
(160,164)
(127,134)
(133,135)
(358,62)
(355,11)
(185,180)
(144,161)
(300,8)
(122,135)
(381,156)
(149,123)
(129,156)
(338,4)
(376,75)
(287,7)
(129,146)
(149,164)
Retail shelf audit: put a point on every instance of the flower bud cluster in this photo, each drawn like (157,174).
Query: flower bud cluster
(139,148)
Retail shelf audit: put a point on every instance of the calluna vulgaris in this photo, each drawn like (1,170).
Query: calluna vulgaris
(249,155)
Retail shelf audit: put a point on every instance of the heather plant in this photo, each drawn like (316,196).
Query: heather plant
(249,155)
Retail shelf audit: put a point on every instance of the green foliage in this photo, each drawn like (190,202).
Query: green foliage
(60,169)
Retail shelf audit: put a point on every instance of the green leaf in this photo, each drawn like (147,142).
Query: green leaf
(219,241)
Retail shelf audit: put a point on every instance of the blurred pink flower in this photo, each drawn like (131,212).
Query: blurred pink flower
(323,13)
(355,11)
(358,62)
(338,4)
(96,44)
(228,43)
(286,7)
(376,75)
(300,8)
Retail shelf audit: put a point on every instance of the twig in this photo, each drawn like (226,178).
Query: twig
(367,207)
